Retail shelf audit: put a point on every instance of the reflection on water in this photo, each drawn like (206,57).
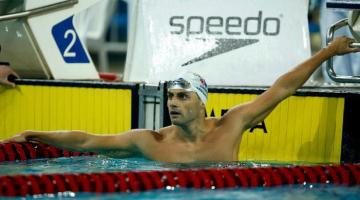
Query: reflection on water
(106,164)
(318,192)
(101,164)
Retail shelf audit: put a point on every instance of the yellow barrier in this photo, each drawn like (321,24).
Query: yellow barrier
(300,129)
(96,110)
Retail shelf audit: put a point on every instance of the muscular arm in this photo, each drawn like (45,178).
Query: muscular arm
(253,112)
(120,145)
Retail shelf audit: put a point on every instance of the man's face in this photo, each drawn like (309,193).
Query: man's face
(184,106)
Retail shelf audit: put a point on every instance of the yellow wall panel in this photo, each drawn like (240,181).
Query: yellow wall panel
(96,110)
(300,129)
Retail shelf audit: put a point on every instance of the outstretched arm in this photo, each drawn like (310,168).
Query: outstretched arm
(120,145)
(253,112)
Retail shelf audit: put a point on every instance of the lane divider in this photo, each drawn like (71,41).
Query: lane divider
(13,151)
(133,181)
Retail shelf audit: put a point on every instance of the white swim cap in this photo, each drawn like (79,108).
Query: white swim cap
(191,81)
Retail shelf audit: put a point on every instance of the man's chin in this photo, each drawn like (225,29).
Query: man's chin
(176,122)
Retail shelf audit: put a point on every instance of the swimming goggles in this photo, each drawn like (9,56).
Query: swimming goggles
(179,84)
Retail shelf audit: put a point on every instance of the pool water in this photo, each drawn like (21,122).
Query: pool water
(88,164)
(279,193)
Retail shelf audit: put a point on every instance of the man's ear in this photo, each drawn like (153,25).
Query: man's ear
(203,108)
(202,104)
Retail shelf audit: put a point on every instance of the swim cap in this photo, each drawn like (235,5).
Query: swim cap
(191,81)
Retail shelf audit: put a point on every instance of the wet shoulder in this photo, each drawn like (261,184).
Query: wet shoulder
(167,132)
(212,121)
(146,134)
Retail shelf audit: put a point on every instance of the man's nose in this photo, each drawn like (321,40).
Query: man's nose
(172,103)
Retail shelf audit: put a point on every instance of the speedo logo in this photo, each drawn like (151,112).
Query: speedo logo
(197,26)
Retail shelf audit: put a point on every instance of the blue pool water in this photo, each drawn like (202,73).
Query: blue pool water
(104,164)
(88,164)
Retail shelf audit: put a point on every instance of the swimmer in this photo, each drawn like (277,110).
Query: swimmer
(7,74)
(192,137)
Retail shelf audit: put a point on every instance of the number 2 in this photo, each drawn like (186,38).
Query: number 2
(67,52)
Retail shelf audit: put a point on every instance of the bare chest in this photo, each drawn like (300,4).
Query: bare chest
(213,148)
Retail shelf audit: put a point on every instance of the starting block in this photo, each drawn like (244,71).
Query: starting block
(353,23)
(39,39)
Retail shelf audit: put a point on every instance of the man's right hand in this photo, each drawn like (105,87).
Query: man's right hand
(5,73)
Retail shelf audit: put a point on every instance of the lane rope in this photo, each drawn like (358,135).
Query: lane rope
(14,151)
(134,181)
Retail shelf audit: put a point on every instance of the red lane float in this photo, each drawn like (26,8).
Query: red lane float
(25,150)
(23,185)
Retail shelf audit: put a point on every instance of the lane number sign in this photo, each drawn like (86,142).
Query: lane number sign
(68,42)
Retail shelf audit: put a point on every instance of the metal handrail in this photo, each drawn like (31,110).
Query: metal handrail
(38,10)
(330,64)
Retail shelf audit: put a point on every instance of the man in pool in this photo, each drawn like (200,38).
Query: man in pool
(192,137)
